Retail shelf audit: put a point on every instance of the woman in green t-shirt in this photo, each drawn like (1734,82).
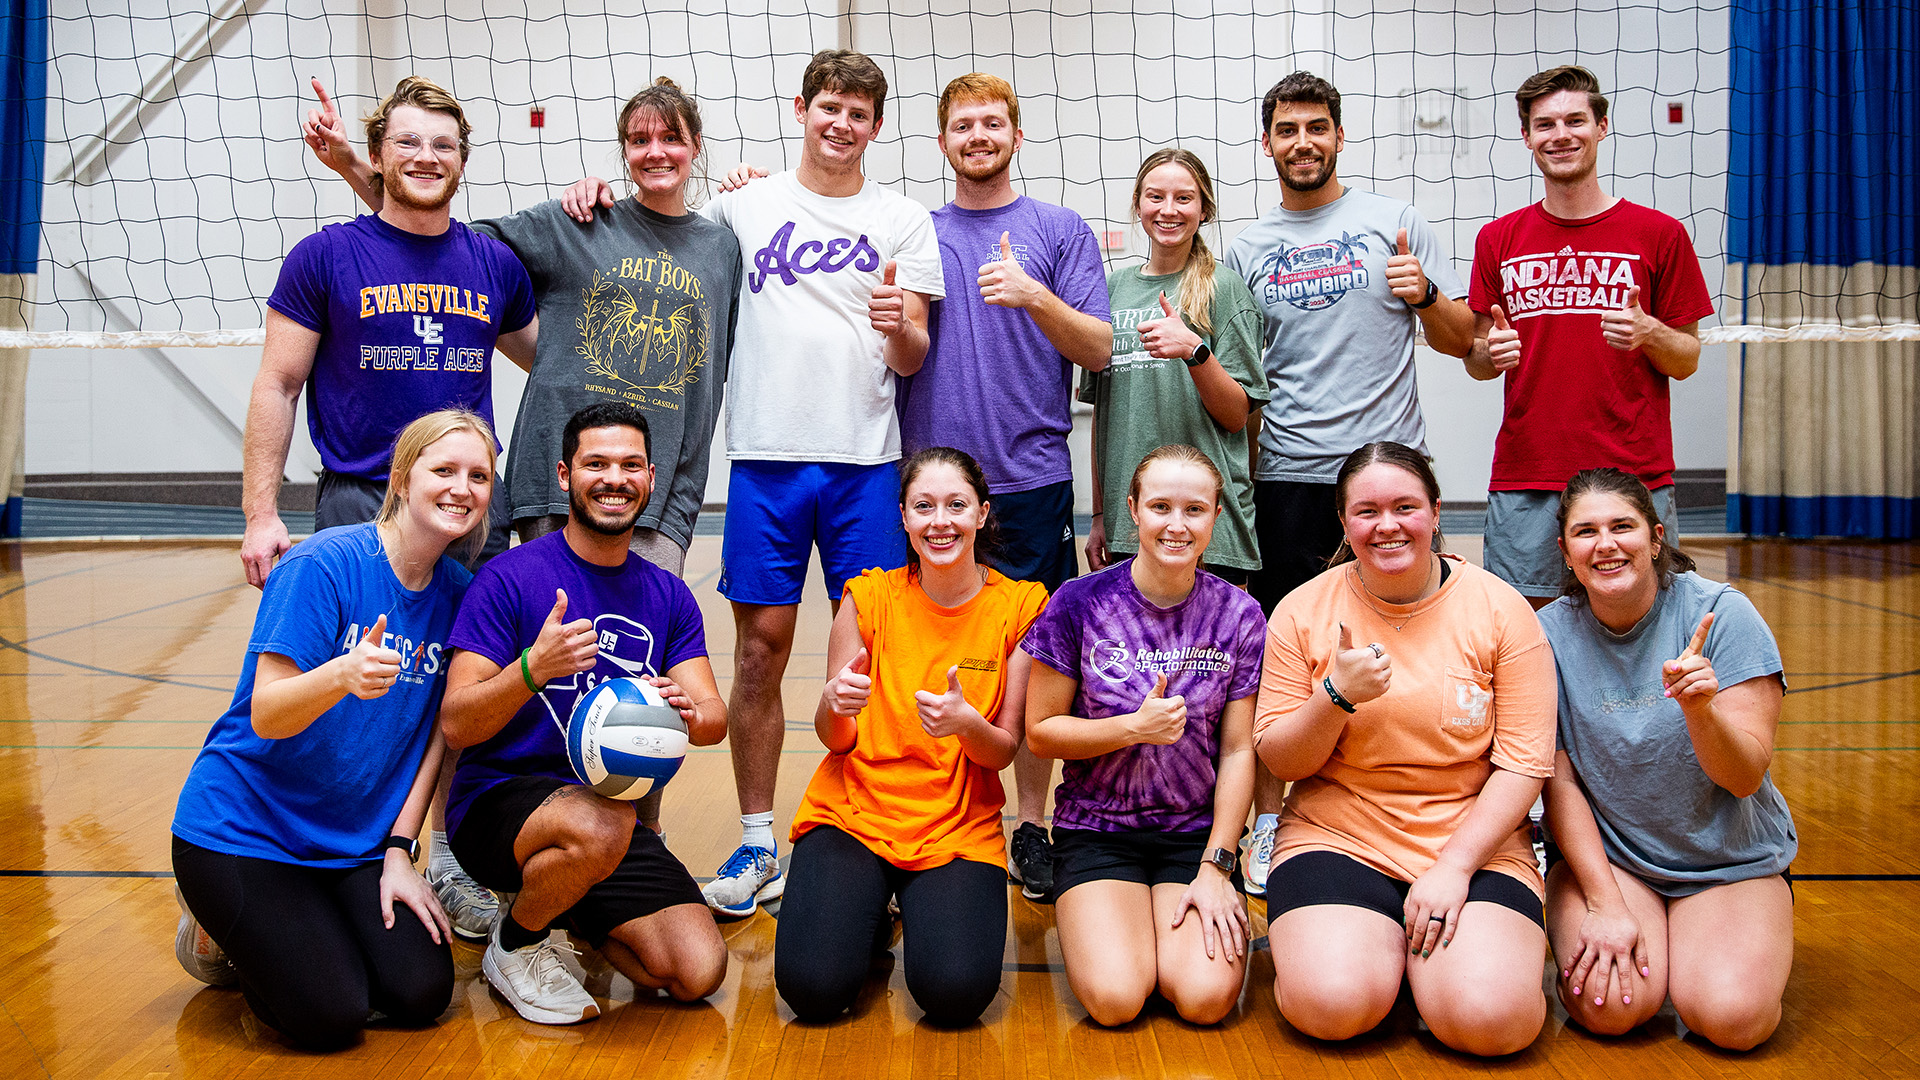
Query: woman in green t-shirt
(1185,369)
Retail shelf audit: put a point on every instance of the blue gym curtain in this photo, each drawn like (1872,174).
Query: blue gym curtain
(23,131)
(1823,199)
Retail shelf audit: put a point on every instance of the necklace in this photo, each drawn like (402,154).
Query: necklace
(1368,596)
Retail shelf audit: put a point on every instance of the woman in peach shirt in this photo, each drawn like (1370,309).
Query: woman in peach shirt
(1410,696)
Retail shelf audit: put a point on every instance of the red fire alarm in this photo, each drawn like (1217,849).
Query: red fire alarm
(1676,113)
(537,117)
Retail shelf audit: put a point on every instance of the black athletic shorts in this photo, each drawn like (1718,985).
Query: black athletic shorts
(1146,858)
(1328,877)
(648,879)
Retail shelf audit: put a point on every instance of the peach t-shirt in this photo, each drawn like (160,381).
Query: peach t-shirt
(1472,688)
(914,800)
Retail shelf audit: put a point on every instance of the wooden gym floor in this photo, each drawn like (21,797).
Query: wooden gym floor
(117,657)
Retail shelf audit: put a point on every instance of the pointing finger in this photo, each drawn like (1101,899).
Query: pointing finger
(1699,641)
(1006,248)
(326,103)
(1400,243)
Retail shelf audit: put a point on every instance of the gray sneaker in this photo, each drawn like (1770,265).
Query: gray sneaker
(470,907)
(751,876)
(535,980)
(199,955)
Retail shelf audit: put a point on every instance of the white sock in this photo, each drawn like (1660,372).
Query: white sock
(756,830)
(441,862)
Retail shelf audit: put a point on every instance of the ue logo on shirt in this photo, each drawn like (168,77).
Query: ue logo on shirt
(1109,660)
(1315,276)
(429,330)
(625,644)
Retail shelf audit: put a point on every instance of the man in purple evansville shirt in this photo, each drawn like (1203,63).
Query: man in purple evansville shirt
(1026,302)
(381,320)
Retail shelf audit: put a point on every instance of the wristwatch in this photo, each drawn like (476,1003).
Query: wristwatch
(1433,293)
(1199,355)
(1223,858)
(408,844)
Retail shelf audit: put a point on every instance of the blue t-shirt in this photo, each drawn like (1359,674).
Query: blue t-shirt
(407,325)
(647,620)
(1661,819)
(1100,631)
(328,796)
(993,384)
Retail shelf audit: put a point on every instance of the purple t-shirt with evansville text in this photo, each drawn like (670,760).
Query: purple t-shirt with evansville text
(407,325)
(1102,632)
(647,621)
(993,384)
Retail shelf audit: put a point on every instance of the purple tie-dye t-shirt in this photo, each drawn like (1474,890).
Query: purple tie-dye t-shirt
(1100,631)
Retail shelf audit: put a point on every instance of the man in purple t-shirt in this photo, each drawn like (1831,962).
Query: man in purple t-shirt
(1026,302)
(541,626)
(381,320)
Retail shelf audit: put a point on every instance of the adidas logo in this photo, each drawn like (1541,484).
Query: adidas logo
(1566,251)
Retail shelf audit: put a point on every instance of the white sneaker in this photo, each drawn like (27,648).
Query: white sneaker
(199,955)
(471,907)
(751,876)
(535,980)
(1260,857)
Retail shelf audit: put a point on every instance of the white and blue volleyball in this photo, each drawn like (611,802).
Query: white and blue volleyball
(624,739)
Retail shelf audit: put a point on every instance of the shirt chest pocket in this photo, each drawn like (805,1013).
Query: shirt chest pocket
(1466,705)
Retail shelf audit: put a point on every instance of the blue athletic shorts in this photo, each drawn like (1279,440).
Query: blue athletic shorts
(1036,535)
(1522,538)
(777,511)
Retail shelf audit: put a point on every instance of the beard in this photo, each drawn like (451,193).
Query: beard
(978,172)
(594,519)
(395,188)
(1313,181)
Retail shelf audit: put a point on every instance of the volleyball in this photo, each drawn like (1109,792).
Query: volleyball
(624,739)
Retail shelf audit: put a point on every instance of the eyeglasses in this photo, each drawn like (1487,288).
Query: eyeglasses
(411,144)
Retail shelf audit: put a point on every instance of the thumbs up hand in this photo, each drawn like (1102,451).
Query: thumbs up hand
(847,692)
(1360,673)
(947,713)
(370,668)
(1628,327)
(1503,342)
(887,309)
(1005,283)
(1168,338)
(562,648)
(1405,278)
(1160,720)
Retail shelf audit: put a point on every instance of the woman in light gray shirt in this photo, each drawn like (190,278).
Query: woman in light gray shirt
(1669,878)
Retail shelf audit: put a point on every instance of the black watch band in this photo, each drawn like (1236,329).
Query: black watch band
(1200,355)
(1433,294)
(1224,858)
(408,844)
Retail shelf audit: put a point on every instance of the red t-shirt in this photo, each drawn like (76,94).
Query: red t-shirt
(1575,402)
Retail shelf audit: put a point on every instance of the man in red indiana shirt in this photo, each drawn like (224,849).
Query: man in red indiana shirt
(1588,304)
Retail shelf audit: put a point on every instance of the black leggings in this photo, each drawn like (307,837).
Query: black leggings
(312,952)
(954,929)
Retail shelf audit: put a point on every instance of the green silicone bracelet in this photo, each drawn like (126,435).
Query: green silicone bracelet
(526,673)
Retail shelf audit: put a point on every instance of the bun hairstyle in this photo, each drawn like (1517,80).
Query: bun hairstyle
(987,540)
(1667,561)
(1196,277)
(1399,456)
(674,107)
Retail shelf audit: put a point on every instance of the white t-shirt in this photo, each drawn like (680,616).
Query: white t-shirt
(808,380)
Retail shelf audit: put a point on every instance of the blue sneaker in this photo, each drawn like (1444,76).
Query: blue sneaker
(748,878)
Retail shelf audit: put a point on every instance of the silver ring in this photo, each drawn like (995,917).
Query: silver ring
(1379,650)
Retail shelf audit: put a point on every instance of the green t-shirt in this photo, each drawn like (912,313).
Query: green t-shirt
(1141,403)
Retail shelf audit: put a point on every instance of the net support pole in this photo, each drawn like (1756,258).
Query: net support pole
(23,133)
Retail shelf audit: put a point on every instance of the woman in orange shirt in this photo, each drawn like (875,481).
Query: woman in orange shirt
(923,711)
(1410,696)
